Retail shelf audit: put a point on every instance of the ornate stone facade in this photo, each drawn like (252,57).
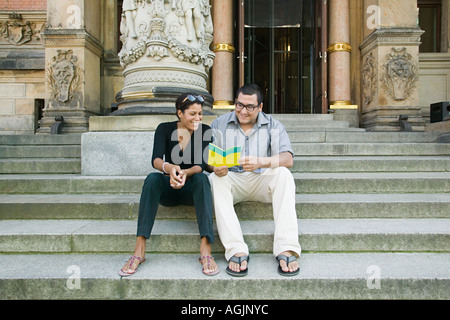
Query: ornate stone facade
(141,57)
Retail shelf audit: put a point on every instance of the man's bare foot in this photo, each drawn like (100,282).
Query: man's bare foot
(239,265)
(292,266)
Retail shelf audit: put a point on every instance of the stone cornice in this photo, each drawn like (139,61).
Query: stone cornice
(72,38)
(391,36)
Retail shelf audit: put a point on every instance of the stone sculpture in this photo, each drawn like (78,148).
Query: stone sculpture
(165,50)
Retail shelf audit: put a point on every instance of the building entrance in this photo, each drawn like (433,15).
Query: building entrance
(278,50)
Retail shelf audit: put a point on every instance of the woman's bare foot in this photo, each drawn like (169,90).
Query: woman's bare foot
(210,266)
(138,257)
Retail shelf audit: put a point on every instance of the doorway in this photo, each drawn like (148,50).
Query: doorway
(278,50)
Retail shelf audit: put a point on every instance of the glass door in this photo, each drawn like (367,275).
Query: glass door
(278,52)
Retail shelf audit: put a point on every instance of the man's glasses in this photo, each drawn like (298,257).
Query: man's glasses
(249,108)
(192,98)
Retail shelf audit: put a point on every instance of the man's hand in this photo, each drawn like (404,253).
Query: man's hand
(250,163)
(221,171)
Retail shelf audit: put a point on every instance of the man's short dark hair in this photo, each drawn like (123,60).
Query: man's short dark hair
(249,90)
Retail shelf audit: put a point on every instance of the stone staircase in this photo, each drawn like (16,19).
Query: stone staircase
(373,212)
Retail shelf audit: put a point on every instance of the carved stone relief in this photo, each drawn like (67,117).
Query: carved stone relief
(400,74)
(369,78)
(18,32)
(64,78)
(158,28)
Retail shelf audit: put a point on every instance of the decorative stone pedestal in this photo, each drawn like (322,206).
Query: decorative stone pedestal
(389,80)
(72,54)
(122,146)
(390,66)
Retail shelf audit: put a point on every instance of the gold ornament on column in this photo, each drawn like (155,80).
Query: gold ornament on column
(339,46)
(223,47)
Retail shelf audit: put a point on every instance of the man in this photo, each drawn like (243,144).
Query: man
(263,175)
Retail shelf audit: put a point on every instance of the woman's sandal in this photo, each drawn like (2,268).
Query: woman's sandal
(288,260)
(208,259)
(238,260)
(132,261)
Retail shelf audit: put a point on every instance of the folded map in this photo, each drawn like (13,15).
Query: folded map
(218,157)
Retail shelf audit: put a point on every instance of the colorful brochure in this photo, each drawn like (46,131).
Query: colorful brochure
(219,157)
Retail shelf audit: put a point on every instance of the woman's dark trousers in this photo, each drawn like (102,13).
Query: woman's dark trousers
(157,190)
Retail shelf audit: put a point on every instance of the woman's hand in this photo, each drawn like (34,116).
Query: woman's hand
(177,177)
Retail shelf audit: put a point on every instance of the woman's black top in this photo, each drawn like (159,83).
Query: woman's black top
(166,146)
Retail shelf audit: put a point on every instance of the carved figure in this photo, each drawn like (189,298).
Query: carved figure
(193,18)
(159,23)
(129,9)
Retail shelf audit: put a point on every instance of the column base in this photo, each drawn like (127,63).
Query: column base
(141,100)
(75,121)
(387,118)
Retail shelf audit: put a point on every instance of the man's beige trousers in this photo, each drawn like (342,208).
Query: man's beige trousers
(273,185)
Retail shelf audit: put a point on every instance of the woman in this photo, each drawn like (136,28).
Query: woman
(178,154)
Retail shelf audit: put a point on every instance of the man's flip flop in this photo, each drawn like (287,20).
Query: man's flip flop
(208,258)
(288,260)
(132,260)
(238,260)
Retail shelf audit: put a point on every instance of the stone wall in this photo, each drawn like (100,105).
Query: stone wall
(23,4)
(22,73)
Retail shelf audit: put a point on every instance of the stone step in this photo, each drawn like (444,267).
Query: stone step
(39,151)
(61,139)
(372,164)
(369,182)
(178,276)
(308,124)
(371,149)
(303,116)
(331,235)
(307,163)
(309,206)
(40,165)
(324,136)
(373,182)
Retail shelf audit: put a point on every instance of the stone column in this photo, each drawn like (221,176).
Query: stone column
(390,66)
(222,71)
(72,63)
(165,52)
(339,51)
